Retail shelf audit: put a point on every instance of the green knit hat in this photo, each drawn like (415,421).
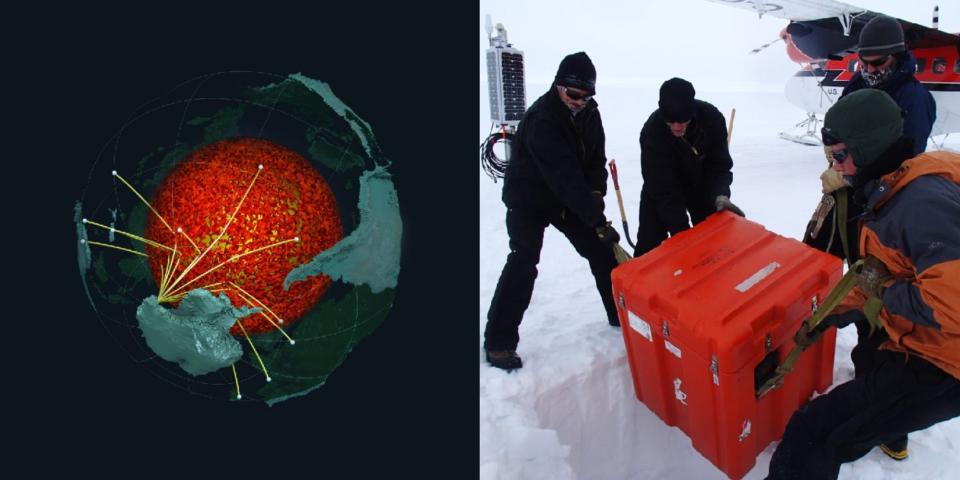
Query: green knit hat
(868,121)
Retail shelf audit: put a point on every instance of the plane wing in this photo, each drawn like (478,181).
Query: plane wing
(843,20)
(796,10)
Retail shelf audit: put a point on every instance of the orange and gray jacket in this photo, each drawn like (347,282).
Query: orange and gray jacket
(912,224)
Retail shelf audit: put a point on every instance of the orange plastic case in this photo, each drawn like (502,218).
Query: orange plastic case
(706,315)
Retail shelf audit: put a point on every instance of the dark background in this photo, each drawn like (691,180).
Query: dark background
(404,403)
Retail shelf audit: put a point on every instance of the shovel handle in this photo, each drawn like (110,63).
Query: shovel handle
(613,173)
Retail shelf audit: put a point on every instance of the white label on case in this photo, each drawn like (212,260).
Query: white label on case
(641,327)
(757,277)
(673,348)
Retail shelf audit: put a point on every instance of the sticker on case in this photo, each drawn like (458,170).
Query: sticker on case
(640,326)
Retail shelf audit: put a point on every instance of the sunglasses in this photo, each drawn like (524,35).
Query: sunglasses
(875,63)
(840,156)
(577,95)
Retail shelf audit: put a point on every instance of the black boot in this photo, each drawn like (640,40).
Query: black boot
(896,449)
(504,359)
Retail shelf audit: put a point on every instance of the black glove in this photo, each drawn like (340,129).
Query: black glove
(723,203)
(841,320)
(872,276)
(806,337)
(607,234)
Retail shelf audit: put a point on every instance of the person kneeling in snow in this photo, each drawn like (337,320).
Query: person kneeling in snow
(910,242)
(885,64)
(685,165)
(556,176)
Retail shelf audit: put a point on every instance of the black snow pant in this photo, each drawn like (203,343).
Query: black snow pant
(512,296)
(899,394)
(653,230)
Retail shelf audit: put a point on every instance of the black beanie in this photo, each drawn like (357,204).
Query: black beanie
(882,35)
(577,71)
(676,100)
(868,121)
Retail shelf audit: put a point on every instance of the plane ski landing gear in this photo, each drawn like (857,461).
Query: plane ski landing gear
(806,132)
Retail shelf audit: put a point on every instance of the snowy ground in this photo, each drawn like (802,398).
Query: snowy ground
(571,411)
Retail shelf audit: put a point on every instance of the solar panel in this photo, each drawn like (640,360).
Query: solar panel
(505,77)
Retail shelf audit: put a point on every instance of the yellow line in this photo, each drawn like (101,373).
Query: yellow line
(121,232)
(292,341)
(234,258)
(236,380)
(189,239)
(171,267)
(164,271)
(265,307)
(170,298)
(198,277)
(116,247)
(251,252)
(264,367)
(145,202)
(222,232)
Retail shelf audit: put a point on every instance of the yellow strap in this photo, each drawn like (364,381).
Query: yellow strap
(871,309)
(841,219)
(833,299)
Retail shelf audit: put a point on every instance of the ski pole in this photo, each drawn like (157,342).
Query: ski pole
(623,214)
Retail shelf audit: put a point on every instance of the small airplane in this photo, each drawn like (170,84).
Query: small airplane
(822,37)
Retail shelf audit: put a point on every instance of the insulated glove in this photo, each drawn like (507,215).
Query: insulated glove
(607,234)
(723,203)
(841,320)
(832,180)
(806,336)
(872,276)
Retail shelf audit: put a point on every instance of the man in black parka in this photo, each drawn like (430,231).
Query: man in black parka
(556,176)
(685,164)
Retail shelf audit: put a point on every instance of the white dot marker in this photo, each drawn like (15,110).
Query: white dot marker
(280,320)
(239,396)
(114,173)
(83,241)
(84,220)
(260,167)
(293,342)
(296,239)
(269,379)
(179,230)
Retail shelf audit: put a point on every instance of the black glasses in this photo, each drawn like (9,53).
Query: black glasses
(577,95)
(875,63)
(840,156)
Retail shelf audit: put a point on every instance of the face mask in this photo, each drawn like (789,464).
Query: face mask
(876,78)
